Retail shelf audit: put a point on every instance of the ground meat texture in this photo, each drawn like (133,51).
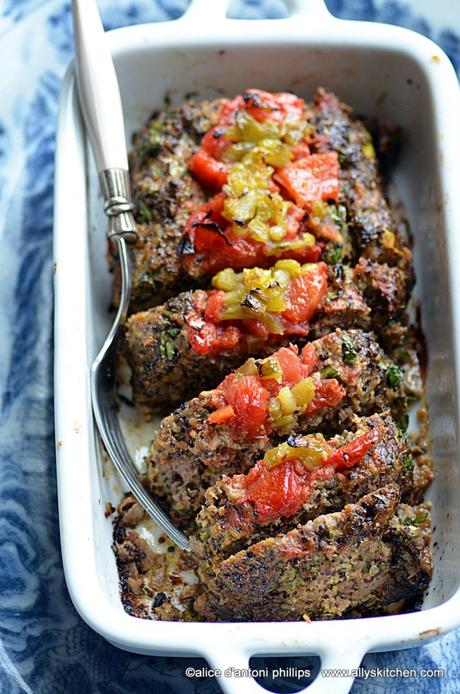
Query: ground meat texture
(152,585)
(387,289)
(362,559)
(165,369)
(188,454)
(227,523)
(165,194)
(371,296)
(369,215)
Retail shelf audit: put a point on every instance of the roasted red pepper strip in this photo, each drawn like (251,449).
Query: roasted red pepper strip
(312,178)
(210,172)
(352,452)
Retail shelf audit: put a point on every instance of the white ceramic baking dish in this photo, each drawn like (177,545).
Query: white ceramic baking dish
(382,71)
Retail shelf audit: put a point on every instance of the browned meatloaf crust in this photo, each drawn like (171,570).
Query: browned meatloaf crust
(370,220)
(363,559)
(166,370)
(227,523)
(165,194)
(188,454)
(359,544)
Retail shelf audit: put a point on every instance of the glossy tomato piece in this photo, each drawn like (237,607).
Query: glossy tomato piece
(206,227)
(210,172)
(229,109)
(315,177)
(305,294)
(249,400)
(215,143)
(255,327)
(300,151)
(263,105)
(277,491)
(214,306)
(206,338)
(291,365)
(309,358)
(328,393)
(293,218)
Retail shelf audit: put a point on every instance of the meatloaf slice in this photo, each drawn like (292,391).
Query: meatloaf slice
(165,194)
(370,220)
(360,560)
(161,344)
(165,369)
(369,294)
(238,511)
(189,452)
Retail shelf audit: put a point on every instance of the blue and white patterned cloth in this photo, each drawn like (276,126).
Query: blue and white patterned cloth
(44,646)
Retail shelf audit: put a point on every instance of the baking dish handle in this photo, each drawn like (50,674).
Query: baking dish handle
(206,12)
(313,9)
(336,676)
(216,11)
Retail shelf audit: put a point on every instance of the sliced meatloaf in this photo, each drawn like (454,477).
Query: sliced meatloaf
(185,346)
(246,508)
(348,375)
(183,237)
(370,220)
(165,194)
(363,559)
(370,295)
(166,370)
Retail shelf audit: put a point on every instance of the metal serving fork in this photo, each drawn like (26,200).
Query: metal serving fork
(102,112)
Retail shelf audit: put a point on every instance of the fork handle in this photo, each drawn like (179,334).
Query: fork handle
(98,88)
(103,115)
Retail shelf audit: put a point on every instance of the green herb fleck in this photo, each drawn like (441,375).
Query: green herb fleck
(404,422)
(155,130)
(144,212)
(167,346)
(147,279)
(289,574)
(338,214)
(150,150)
(418,519)
(334,254)
(329,372)
(402,356)
(408,464)
(421,518)
(373,569)
(394,376)
(348,352)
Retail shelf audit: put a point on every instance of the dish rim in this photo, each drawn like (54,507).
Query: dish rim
(232,643)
